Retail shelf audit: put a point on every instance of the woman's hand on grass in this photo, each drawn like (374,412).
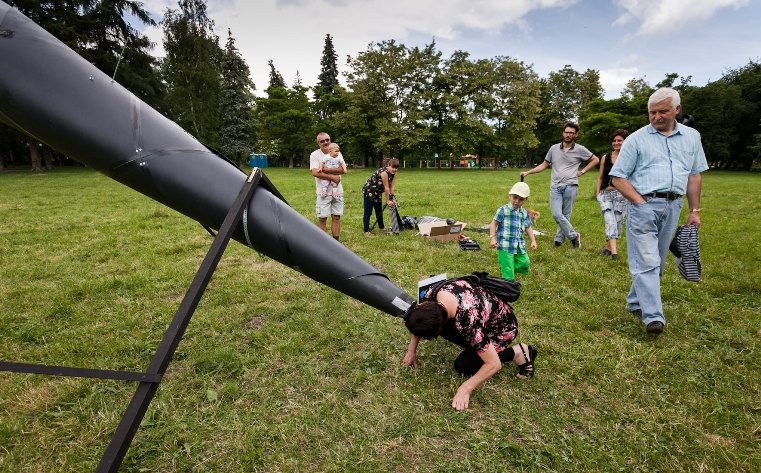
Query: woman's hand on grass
(461,399)
(409,360)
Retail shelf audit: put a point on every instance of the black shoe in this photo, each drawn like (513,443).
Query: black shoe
(654,328)
(637,313)
(615,257)
(576,242)
(526,370)
(558,243)
(604,252)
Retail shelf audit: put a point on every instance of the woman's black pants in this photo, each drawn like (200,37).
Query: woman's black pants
(369,206)
(468,362)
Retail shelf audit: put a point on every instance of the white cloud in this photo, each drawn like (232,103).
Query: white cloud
(156,36)
(157,7)
(667,17)
(614,80)
(396,18)
(292,32)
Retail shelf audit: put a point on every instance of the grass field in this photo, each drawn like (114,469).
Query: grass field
(278,373)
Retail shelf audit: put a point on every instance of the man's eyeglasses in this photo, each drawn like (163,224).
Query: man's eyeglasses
(325,140)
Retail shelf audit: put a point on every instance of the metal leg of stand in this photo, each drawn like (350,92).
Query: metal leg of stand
(376,217)
(125,431)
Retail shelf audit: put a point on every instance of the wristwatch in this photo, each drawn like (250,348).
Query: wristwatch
(695,210)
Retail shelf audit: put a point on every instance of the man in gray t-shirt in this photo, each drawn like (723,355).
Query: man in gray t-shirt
(565,158)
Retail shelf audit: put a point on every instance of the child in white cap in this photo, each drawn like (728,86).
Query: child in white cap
(506,233)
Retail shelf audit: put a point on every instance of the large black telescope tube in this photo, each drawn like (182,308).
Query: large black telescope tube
(51,93)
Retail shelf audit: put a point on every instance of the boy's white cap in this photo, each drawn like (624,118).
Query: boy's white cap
(520,189)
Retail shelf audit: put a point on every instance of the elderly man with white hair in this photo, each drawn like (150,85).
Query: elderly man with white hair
(657,165)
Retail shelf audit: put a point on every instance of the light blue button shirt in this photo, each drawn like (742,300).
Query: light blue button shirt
(653,162)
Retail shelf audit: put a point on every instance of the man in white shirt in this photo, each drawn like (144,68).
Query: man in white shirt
(327,205)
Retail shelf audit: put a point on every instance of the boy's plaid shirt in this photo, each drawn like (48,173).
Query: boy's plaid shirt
(511,225)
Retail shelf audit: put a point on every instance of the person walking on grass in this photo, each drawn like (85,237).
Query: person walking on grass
(327,206)
(565,158)
(657,165)
(506,233)
(612,203)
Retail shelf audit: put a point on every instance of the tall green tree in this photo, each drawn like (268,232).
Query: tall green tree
(328,78)
(461,105)
(568,91)
(565,94)
(411,84)
(389,83)
(192,70)
(237,100)
(637,87)
(327,89)
(718,109)
(589,89)
(285,124)
(754,149)
(601,118)
(748,79)
(369,106)
(667,81)
(276,79)
(516,108)
(133,67)
(356,125)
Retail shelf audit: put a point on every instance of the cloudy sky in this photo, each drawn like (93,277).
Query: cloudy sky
(623,39)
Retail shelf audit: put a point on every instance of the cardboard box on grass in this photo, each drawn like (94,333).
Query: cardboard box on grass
(441,231)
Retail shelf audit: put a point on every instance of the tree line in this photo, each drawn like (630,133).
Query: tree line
(407,102)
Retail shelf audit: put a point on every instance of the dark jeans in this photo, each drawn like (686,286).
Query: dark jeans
(468,362)
(369,206)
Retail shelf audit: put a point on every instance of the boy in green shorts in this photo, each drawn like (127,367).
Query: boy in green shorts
(506,233)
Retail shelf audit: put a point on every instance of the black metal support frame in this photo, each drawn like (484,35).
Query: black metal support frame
(397,217)
(149,381)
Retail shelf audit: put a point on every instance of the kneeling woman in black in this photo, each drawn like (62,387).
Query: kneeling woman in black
(479,322)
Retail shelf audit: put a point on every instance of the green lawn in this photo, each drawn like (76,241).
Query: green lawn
(278,373)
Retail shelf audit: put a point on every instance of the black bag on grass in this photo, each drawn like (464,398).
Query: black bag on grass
(507,291)
(396,220)
(409,222)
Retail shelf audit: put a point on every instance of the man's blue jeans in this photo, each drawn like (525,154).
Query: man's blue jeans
(649,232)
(562,199)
